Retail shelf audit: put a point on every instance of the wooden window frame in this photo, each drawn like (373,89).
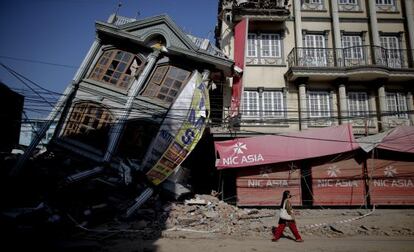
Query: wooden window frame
(113,67)
(158,88)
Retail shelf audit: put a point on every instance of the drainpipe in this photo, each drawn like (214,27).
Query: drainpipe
(116,130)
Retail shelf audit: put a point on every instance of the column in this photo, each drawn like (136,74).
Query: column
(374,23)
(336,32)
(376,51)
(298,22)
(409,16)
(382,108)
(303,108)
(343,106)
(410,107)
(116,130)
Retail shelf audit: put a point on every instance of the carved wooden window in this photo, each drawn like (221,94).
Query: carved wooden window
(89,123)
(117,68)
(166,83)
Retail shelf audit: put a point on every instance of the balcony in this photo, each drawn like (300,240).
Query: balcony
(262,8)
(367,62)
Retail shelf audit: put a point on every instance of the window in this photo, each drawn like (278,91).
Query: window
(315,55)
(352,47)
(392,52)
(313,5)
(263,105)
(312,1)
(358,104)
(348,5)
(270,45)
(264,45)
(116,67)
(166,83)
(384,2)
(89,122)
(251,104)
(347,1)
(319,104)
(252,45)
(397,104)
(385,5)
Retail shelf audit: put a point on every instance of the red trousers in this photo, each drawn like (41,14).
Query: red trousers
(281,227)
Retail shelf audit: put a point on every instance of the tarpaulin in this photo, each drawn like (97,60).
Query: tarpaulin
(399,139)
(269,149)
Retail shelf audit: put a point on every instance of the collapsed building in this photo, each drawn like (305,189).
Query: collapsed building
(138,103)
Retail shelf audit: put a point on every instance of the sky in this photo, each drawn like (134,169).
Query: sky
(46,40)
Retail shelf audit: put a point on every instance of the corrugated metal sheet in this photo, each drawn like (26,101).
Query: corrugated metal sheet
(338,184)
(391,182)
(264,185)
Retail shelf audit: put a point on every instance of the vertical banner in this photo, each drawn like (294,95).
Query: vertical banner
(240,38)
(175,145)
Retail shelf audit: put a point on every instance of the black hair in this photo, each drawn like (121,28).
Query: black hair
(284,197)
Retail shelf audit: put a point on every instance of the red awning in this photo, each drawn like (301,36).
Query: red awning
(269,149)
(399,139)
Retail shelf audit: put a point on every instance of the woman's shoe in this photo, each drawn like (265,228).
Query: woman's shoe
(275,240)
(299,240)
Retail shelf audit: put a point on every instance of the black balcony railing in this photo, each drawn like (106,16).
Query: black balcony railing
(349,57)
(262,4)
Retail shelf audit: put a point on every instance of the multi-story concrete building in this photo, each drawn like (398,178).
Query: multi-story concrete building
(317,63)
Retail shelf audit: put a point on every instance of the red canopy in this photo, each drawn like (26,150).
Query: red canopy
(268,149)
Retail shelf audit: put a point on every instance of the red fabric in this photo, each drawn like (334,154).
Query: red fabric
(240,36)
(292,225)
(269,149)
(400,139)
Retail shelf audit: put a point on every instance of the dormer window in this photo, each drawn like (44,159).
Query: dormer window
(116,68)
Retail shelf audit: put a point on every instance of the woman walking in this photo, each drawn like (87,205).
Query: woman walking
(286,218)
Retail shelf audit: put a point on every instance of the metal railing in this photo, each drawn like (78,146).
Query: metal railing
(349,57)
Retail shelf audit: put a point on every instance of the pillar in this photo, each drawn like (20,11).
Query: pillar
(342,100)
(382,107)
(410,107)
(298,22)
(409,16)
(336,32)
(303,108)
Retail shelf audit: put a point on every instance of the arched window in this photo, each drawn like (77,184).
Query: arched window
(116,67)
(89,123)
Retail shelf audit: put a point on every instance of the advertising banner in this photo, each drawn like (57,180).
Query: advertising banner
(180,131)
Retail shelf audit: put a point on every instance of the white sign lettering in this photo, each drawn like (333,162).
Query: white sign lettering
(393,183)
(336,183)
